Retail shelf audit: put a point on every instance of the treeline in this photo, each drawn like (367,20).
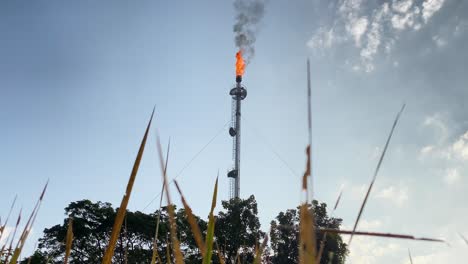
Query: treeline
(237,234)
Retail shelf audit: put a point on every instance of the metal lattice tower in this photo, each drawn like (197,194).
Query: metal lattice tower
(238,94)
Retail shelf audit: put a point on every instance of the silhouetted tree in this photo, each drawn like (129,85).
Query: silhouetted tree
(92,226)
(237,233)
(284,235)
(237,229)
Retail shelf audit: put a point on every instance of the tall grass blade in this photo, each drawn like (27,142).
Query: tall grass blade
(309,123)
(220,254)
(168,253)
(376,172)
(107,259)
(68,245)
(338,201)
(211,227)
(259,253)
(409,255)
(28,227)
(321,248)
(179,259)
(324,237)
(377,234)
(10,248)
(158,219)
(192,222)
(307,248)
(2,227)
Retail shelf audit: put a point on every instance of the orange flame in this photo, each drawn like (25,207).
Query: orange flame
(240,64)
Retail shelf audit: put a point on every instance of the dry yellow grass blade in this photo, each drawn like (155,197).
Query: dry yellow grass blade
(324,237)
(107,259)
(10,248)
(69,242)
(259,251)
(211,227)
(179,259)
(377,234)
(382,155)
(168,253)
(192,222)
(321,248)
(2,227)
(220,254)
(307,236)
(158,218)
(307,249)
(28,227)
(307,171)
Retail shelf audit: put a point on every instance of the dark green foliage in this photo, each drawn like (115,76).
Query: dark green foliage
(238,228)
(285,230)
(92,226)
(36,258)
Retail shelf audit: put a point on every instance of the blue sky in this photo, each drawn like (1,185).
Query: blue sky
(79,80)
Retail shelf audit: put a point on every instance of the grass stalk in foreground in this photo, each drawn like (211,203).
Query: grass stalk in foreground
(324,237)
(376,172)
(69,241)
(259,251)
(158,218)
(211,227)
(10,248)
(220,254)
(2,227)
(109,253)
(28,227)
(179,259)
(192,222)
(307,249)
(377,234)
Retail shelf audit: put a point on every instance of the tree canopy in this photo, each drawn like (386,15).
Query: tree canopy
(237,234)
(284,233)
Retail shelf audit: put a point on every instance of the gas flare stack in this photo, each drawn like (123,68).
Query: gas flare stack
(238,93)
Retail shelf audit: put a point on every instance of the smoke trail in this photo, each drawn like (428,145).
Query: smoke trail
(248,15)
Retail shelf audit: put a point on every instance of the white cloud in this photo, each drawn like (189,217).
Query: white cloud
(460,147)
(439,41)
(427,150)
(370,225)
(396,195)
(452,176)
(357,28)
(375,30)
(430,7)
(350,6)
(406,20)
(366,250)
(323,39)
(402,6)
(460,28)
(437,122)
(374,38)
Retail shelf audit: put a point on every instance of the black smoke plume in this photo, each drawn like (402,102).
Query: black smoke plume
(248,15)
